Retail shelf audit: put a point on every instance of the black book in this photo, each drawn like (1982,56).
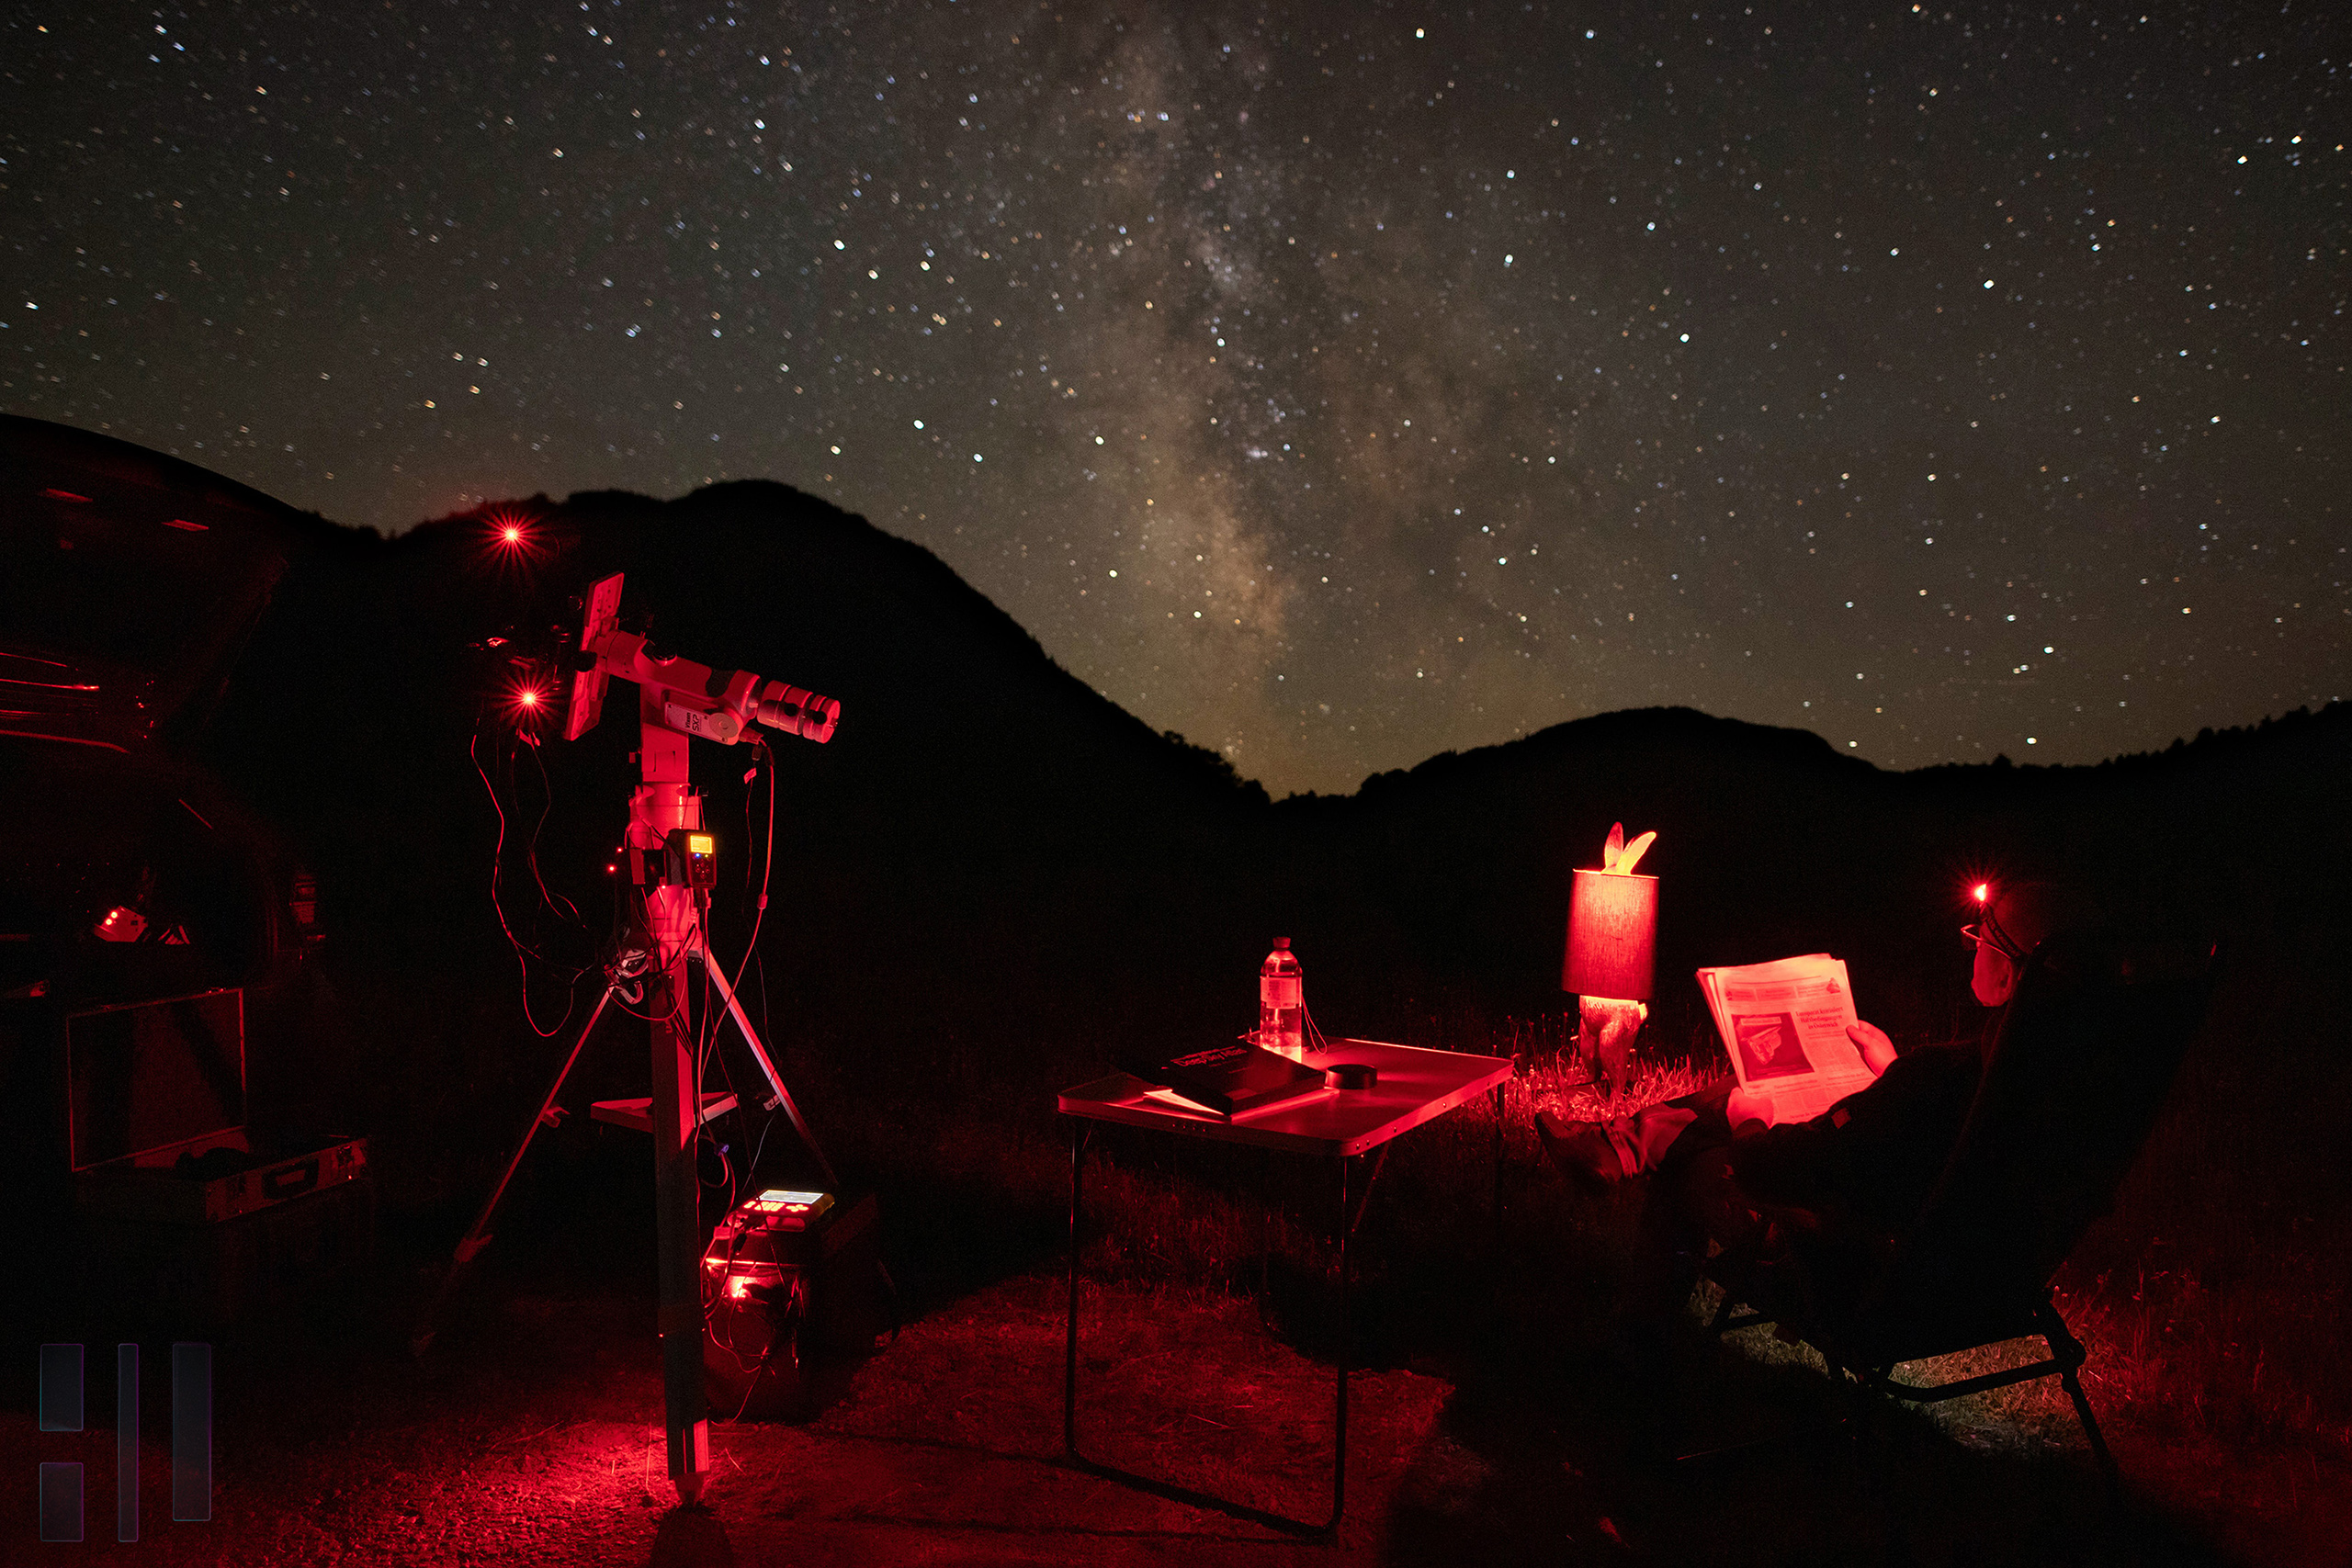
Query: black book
(1230,1078)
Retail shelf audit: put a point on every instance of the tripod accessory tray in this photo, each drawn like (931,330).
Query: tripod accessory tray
(637,1114)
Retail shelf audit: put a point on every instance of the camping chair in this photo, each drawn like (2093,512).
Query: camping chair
(2084,1057)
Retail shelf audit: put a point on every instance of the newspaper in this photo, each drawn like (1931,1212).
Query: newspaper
(1784,1025)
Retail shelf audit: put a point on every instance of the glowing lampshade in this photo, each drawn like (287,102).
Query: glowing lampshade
(1612,934)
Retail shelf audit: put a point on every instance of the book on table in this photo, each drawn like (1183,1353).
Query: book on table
(1227,1081)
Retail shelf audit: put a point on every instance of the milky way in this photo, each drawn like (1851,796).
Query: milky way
(1336,385)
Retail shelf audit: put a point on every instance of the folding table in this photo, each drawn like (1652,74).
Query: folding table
(1414,1086)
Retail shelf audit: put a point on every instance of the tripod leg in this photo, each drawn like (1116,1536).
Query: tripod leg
(782,1095)
(678,1234)
(717,972)
(469,1246)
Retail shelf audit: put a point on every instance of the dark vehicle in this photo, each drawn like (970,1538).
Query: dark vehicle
(149,923)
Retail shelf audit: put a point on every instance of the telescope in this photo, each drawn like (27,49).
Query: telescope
(672,867)
(679,700)
(678,696)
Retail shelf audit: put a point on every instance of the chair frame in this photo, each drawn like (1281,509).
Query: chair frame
(1869,1342)
(2064,1357)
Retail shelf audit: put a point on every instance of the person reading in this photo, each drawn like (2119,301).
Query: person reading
(1717,1166)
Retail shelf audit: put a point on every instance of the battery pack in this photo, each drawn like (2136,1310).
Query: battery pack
(792,1287)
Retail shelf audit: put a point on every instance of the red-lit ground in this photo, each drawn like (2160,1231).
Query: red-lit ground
(529,1437)
(1497,1425)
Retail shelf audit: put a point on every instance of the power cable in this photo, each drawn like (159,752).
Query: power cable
(523,953)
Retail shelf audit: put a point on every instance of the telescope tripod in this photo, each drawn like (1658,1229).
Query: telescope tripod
(670,858)
(677,1190)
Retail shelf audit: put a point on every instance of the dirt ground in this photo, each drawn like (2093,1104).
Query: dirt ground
(531,1435)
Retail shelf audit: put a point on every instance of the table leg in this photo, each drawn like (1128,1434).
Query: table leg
(1495,1250)
(1079,1133)
(1347,1354)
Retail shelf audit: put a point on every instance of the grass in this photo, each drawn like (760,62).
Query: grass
(1491,1417)
(2207,1299)
(2191,1327)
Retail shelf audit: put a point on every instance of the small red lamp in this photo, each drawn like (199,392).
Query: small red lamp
(1610,961)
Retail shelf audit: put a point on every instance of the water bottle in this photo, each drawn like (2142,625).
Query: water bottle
(1282,1003)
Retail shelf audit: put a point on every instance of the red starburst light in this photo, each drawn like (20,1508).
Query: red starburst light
(509,530)
(529,702)
(512,540)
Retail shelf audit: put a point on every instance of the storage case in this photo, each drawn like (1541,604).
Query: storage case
(227,1228)
(152,1078)
(185,1213)
(221,1178)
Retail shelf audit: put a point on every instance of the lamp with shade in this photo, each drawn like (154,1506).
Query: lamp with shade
(1610,963)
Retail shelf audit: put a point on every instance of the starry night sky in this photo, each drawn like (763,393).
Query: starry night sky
(1335,385)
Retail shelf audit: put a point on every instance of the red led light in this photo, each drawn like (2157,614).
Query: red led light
(510,540)
(527,704)
(1982,891)
(121,924)
(508,529)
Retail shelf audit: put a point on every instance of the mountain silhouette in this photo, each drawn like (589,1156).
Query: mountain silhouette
(995,876)
(1771,843)
(987,850)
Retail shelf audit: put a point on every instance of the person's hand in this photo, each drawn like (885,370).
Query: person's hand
(1743,1108)
(1871,1041)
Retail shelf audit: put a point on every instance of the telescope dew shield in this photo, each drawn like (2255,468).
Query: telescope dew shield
(796,711)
